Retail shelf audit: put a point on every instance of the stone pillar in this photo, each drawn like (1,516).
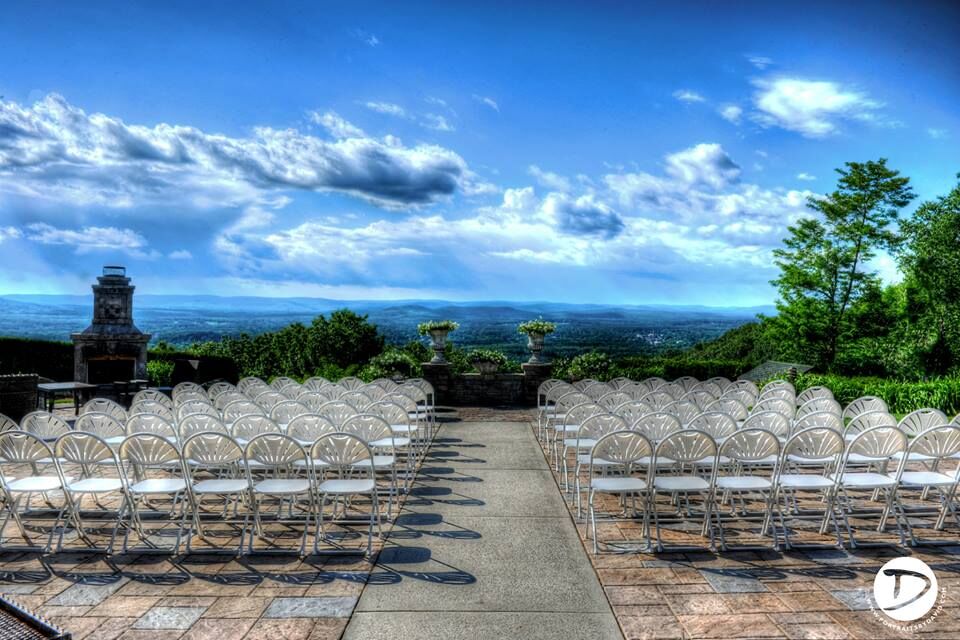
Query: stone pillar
(18,394)
(440,375)
(534,375)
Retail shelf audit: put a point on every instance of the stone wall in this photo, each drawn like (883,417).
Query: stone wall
(18,394)
(486,390)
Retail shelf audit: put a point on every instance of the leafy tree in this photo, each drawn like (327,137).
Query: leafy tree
(823,273)
(931,265)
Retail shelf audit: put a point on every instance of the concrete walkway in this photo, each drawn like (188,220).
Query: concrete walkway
(484,548)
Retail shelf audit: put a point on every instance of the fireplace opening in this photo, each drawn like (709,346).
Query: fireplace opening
(109,370)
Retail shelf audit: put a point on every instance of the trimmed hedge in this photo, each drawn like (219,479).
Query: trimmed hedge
(901,396)
(46,358)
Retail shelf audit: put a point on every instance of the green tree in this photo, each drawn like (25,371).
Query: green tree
(930,261)
(823,272)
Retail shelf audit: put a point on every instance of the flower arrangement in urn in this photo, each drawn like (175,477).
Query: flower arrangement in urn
(486,361)
(536,330)
(437,330)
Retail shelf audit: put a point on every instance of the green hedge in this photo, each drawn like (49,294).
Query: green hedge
(901,397)
(49,359)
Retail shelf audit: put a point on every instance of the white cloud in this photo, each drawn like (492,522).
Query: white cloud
(387,108)
(686,95)
(549,179)
(760,62)
(89,239)
(731,113)
(803,175)
(937,134)
(704,164)
(812,108)
(180,254)
(53,150)
(367,38)
(490,102)
(436,122)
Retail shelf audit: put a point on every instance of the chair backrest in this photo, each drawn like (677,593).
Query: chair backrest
(657,399)
(700,397)
(730,406)
(44,425)
(190,395)
(657,425)
(248,382)
(307,428)
(369,428)
(597,390)
(870,419)
(713,389)
(102,425)
(8,424)
(567,401)
(283,412)
(219,388)
(687,446)
(675,390)
(393,413)
(942,441)
(780,405)
(154,395)
(653,382)
(85,449)
(718,424)
(778,393)
(557,391)
(151,423)
(193,407)
(721,382)
(815,444)
(749,385)
(358,399)
(779,384)
(751,446)
(225,398)
(636,390)
(631,411)
(773,421)
(544,387)
(276,452)
(281,382)
(269,399)
(685,410)
(187,387)
(740,394)
(337,411)
(577,414)
(377,391)
(386,384)
(819,405)
(921,420)
(198,423)
(610,401)
(620,382)
(403,400)
(814,392)
(253,390)
(149,451)
(315,399)
(103,405)
(583,384)
(211,450)
(20,447)
(687,382)
(625,448)
(315,383)
(151,406)
(825,419)
(351,383)
(598,425)
(343,451)
(878,443)
(240,408)
(247,428)
(864,404)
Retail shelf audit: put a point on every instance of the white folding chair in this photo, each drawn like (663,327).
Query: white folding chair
(153,395)
(102,425)
(148,455)
(748,450)
(213,468)
(103,405)
(283,412)
(19,450)
(378,435)
(811,393)
(864,404)
(44,425)
(611,465)
(933,445)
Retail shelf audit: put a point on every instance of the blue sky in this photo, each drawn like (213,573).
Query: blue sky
(589,152)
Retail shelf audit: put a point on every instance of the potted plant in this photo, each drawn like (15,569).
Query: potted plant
(486,361)
(437,330)
(535,330)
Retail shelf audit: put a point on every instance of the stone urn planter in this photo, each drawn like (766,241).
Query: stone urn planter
(486,361)
(536,331)
(438,331)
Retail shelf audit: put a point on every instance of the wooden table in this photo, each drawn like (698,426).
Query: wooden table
(47,393)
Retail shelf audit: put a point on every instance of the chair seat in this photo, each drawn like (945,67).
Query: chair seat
(912,457)
(859,458)
(95,485)
(159,485)
(680,483)
(379,462)
(925,479)
(803,461)
(566,428)
(708,461)
(804,481)
(645,461)
(624,484)
(390,442)
(865,480)
(35,483)
(743,483)
(584,443)
(282,487)
(584,459)
(341,487)
(221,487)
(403,428)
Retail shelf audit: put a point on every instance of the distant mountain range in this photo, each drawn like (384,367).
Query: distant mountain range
(184,319)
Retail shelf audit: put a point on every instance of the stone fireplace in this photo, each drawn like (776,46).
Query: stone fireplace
(112,348)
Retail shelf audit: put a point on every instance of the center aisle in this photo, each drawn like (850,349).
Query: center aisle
(484,548)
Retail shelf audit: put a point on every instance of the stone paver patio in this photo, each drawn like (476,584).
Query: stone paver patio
(484,546)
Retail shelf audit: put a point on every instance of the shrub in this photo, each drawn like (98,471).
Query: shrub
(424,328)
(160,372)
(901,396)
(487,355)
(594,365)
(52,360)
(391,363)
(539,325)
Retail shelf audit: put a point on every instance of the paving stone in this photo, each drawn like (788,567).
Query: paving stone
(737,625)
(320,607)
(218,629)
(856,599)
(280,629)
(86,594)
(732,582)
(169,618)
